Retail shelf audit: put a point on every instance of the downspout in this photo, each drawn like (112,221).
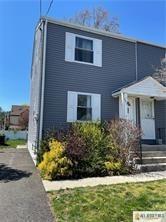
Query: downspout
(136,62)
(138,120)
(41,98)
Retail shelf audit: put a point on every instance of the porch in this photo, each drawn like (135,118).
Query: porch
(138,103)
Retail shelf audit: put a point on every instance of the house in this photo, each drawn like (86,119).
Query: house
(84,74)
(18,117)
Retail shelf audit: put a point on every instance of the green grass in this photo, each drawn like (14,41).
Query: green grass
(13,143)
(112,203)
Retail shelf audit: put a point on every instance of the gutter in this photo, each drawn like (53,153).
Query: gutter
(99,32)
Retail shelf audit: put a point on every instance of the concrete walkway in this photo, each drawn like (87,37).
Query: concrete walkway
(22,146)
(94,181)
(22,195)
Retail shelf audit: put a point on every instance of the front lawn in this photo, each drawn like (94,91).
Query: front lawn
(13,143)
(113,203)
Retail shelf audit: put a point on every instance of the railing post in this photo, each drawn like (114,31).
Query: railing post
(140,143)
(162,134)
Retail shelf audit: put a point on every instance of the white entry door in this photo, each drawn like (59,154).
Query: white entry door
(147,119)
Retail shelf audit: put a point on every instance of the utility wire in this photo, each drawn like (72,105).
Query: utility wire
(40,8)
(49,7)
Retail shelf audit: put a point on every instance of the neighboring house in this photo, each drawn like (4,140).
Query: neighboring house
(83,74)
(18,117)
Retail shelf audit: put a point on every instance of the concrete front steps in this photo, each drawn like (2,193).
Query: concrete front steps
(153,158)
(146,147)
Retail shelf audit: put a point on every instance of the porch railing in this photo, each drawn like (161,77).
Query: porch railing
(140,150)
(161,134)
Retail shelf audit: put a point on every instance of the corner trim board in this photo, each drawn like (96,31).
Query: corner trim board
(43,82)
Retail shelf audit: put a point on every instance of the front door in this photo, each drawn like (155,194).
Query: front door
(147,119)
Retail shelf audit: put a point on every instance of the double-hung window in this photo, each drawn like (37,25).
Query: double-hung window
(84,50)
(84,108)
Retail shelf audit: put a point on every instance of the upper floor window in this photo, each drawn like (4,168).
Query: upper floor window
(84,50)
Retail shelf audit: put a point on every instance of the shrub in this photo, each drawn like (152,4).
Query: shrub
(115,167)
(85,147)
(122,144)
(75,145)
(90,149)
(44,144)
(55,164)
(76,151)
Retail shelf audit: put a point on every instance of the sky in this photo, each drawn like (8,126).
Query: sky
(143,19)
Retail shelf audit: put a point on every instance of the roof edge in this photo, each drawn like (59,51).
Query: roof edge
(99,32)
(119,90)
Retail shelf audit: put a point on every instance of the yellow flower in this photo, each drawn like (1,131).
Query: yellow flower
(55,163)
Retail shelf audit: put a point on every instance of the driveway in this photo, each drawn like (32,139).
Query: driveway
(22,195)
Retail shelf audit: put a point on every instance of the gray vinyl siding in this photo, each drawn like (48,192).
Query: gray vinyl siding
(149,59)
(35,88)
(160,117)
(160,108)
(118,68)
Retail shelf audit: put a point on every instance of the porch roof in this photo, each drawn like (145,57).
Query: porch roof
(147,87)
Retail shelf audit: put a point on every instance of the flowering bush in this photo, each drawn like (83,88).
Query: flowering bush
(55,164)
(44,144)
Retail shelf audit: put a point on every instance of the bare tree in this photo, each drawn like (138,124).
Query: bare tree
(82,18)
(160,73)
(97,18)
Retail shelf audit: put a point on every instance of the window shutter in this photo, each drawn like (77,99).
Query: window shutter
(69,47)
(97,52)
(96,107)
(71,106)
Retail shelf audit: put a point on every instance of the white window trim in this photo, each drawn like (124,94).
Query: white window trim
(86,63)
(82,62)
(84,37)
(88,94)
(85,107)
(88,38)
